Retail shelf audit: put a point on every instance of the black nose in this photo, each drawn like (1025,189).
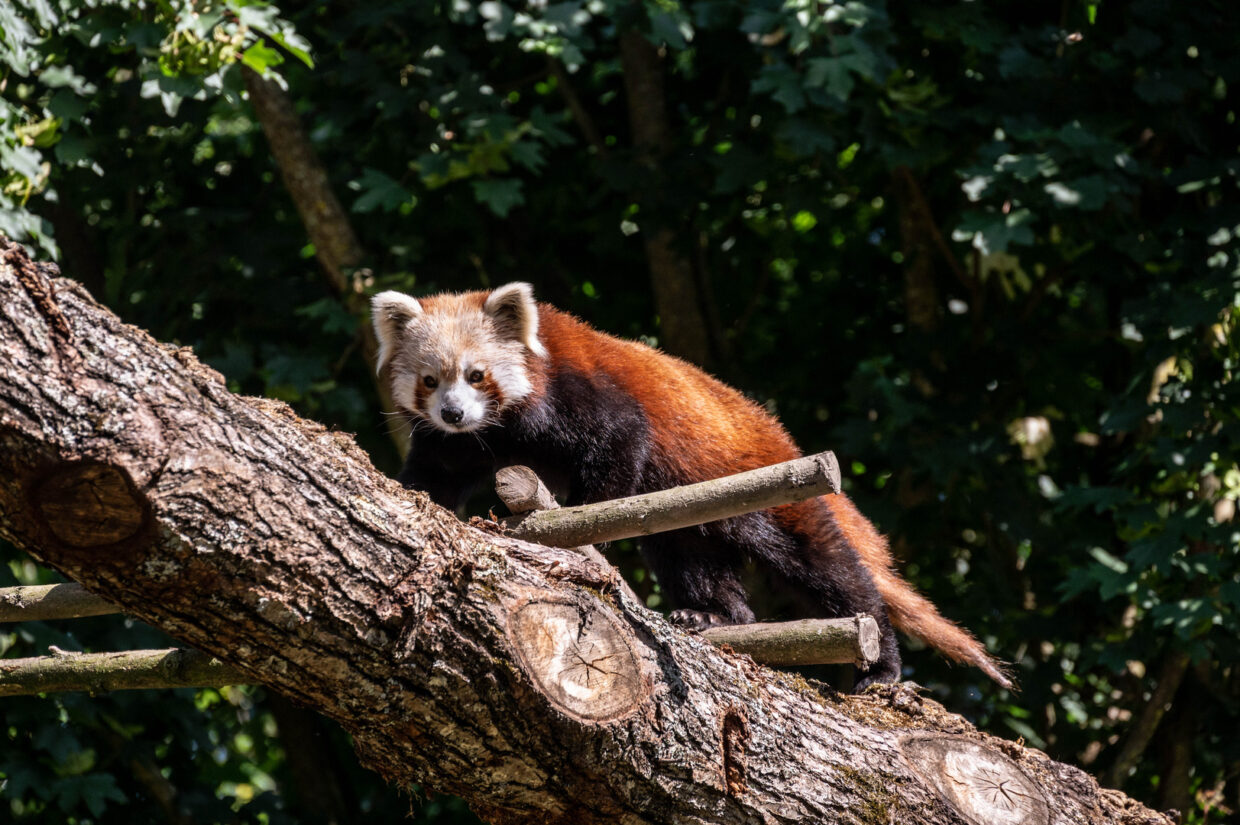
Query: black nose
(452,415)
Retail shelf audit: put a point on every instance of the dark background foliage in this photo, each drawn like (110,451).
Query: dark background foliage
(986,252)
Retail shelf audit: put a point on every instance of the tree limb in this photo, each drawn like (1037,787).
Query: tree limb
(101,672)
(41,603)
(1151,715)
(476,664)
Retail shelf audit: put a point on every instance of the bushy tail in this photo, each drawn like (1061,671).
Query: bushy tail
(908,610)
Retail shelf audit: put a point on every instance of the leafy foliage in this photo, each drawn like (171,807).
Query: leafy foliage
(986,252)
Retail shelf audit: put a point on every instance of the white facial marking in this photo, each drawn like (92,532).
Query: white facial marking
(450,338)
(459,407)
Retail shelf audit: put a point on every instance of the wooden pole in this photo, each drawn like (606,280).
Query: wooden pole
(658,512)
(852,640)
(806,642)
(41,603)
(127,670)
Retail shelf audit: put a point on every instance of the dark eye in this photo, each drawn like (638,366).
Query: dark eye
(431,381)
(475,376)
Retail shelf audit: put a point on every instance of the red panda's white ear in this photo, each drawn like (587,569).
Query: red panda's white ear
(391,311)
(515,312)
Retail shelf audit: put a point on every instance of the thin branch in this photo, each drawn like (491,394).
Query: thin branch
(41,603)
(127,670)
(658,512)
(921,207)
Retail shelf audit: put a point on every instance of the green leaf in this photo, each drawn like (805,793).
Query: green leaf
(1101,499)
(544,126)
(993,232)
(1088,193)
(296,45)
(499,195)
(784,84)
(58,76)
(68,106)
(529,154)
(378,191)
(832,73)
(260,57)
(672,29)
(805,137)
(498,18)
(94,790)
(335,319)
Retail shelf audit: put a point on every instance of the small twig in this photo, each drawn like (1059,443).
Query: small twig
(658,512)
(40,603)
(128,670)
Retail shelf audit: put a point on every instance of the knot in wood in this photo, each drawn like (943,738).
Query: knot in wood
(579,657)
(983,785)
(88,504)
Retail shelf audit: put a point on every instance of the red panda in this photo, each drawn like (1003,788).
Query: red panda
(494,378)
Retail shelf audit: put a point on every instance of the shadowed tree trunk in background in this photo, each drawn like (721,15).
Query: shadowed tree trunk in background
(921,294)
(317,794)
(676,298)
(513,675)
(336,246)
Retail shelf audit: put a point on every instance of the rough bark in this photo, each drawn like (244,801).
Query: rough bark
(476,664)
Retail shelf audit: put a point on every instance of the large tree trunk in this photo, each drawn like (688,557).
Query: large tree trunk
(510,674)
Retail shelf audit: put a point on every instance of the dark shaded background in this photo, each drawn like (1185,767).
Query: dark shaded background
(985,252)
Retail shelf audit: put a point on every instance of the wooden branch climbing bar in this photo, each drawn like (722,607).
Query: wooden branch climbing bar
(658,512)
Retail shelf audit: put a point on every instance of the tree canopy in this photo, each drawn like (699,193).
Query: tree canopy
(987,253)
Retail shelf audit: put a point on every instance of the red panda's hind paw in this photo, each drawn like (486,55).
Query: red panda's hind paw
(879,674)
(696,619)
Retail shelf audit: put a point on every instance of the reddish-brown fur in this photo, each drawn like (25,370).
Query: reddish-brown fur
(911,612)
(609,418)
(728,433)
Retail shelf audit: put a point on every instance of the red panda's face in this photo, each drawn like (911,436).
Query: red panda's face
(457,361)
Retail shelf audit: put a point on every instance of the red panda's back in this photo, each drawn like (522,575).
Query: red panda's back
(701,428)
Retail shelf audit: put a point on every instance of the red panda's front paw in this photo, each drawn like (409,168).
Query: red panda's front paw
(695,619)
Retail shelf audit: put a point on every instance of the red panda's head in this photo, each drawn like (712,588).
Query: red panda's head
(457,360)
